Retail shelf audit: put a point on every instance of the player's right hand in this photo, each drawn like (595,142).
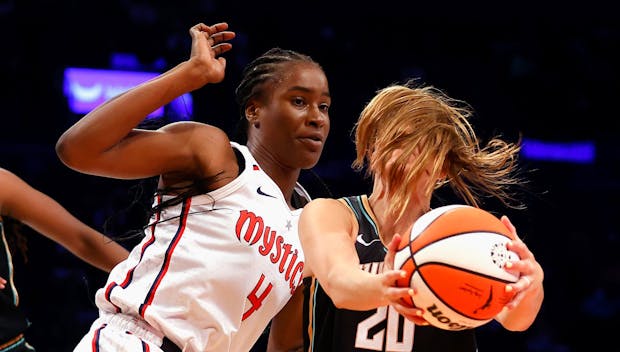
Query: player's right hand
(400,295)
(208,44)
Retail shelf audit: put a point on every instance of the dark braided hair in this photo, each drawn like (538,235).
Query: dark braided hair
(266,68)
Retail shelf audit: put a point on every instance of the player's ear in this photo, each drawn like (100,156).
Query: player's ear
(251,113)
(396,153)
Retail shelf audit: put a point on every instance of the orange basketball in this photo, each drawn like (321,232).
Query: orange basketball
(455,257)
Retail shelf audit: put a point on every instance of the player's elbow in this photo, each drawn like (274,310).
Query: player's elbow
(66,151)
(340,301)
(331,289)
(341,296)
(72,154)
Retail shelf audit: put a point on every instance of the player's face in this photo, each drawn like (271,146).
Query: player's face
(423,181)
(294,121)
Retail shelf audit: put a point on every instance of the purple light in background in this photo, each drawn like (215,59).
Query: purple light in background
(126,61)
(87,88)
(181,108)
(571,152)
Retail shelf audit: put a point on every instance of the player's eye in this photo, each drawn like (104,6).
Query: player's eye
(298,101)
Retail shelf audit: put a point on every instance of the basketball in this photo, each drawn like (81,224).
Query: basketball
(454,257)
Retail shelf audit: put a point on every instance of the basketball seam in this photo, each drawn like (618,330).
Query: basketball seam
(458,234)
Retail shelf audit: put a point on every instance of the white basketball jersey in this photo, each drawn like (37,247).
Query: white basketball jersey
(213,271)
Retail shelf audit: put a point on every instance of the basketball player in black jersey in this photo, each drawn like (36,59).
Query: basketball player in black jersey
(413,140)
(22,207)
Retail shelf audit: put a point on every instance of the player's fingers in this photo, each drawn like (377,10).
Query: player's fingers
(514,302)
(218,27)
(506,221)
(221,48)
(395,294)
(394,243)
(520,248)
(521,285)
(392,247)
(196,30)
(389,278)
(200,27)
(222,61)
(412,314)
(221,37)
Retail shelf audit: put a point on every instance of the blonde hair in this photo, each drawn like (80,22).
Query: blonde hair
(426,122)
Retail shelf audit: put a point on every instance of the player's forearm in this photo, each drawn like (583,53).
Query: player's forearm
(96,249)
(357,290)
(110,122)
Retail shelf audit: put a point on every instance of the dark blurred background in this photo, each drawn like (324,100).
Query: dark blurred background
(547,72)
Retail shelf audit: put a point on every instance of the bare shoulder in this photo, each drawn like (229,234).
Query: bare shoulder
(326,207)
(209,147)
(194,127)
(326,217)
(320,203)
(200,137)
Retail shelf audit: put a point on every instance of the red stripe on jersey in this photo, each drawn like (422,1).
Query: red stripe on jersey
(167,257)
(130,272)
(95,342)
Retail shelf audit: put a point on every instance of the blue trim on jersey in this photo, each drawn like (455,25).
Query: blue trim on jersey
(312,319)
(9,266)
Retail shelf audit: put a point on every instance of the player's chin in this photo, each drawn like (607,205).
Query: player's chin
(310,159)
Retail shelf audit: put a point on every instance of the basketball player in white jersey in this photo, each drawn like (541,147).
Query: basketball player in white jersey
(412,140)
(221,255)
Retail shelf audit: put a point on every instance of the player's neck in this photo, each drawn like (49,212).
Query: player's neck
(388,225)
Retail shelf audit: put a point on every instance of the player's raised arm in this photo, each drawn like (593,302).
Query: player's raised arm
(106,141)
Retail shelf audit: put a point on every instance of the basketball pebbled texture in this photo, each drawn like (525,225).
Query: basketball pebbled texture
(454,257)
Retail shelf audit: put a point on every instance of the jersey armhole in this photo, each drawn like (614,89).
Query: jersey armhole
(355,220)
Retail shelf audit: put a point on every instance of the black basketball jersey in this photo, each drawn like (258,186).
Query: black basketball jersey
(382,329)
(12,320)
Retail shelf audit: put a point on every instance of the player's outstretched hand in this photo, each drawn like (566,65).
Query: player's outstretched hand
(398,296)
